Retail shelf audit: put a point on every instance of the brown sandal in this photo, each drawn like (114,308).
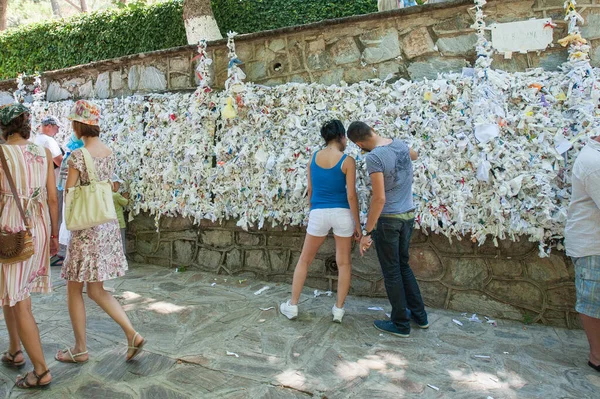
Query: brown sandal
(23,384)
(8,359)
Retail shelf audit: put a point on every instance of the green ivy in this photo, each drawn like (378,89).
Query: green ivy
(131,30)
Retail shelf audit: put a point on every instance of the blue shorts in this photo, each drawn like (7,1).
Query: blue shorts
(587,284)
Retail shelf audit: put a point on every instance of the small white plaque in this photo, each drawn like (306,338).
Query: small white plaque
(522,36)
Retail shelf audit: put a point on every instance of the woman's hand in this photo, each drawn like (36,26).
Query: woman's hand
(365,244)
(357,234)
(54,246)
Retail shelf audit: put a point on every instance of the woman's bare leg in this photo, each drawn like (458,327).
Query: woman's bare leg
(309,251)
(343,258)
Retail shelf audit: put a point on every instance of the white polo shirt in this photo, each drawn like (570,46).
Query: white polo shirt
(582,233)
(52,145)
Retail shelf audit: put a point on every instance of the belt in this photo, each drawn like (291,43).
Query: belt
(402,216)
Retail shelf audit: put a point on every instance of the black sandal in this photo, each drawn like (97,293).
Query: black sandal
(23,384)
(597,368)
(8,359)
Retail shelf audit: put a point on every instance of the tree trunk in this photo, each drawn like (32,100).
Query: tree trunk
(3,9)
(55,8)
(200,21)
(84,7)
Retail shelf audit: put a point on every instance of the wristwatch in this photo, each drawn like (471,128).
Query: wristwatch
(366,233)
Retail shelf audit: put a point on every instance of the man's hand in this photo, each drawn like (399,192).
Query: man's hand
(126,195)
(365,244)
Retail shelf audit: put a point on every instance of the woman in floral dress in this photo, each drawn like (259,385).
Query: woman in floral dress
(94,255)
(30,167)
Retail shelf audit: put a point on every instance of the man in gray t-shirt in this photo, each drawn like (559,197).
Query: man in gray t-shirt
(390,223)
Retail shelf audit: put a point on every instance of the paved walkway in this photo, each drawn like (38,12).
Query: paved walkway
(191,325)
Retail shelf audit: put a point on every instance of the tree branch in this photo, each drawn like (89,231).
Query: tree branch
(73,5)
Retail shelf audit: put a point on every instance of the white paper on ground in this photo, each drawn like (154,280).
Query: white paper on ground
(433,387)
(232,354)
(265,309)
(457,322)
(375,308)
(263,289)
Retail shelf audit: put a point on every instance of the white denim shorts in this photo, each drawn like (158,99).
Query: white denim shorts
(320,221)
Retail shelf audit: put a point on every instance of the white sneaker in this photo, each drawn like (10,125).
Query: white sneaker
(337,314)
(288,310)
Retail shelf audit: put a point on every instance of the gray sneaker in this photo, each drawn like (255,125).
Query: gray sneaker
(288,310)
(338,314)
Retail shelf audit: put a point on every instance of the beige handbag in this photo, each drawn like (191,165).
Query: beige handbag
(91,205)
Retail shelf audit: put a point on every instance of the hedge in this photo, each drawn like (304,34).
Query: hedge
(119,32)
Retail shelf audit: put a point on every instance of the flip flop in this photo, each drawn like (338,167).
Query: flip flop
(23,384)
(10,361)
(56,261)
(72,356)
(137,349)
(597,368)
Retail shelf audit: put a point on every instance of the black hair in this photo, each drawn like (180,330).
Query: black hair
(333,130)
(359,131)
(19,125)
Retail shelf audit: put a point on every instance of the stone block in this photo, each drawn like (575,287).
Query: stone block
(591,29)
(418,43)
(6,98)
(316,46)
(517,63)
(276,45)
(359,74)
(233,260)
(56,93)
(255,71)
(85,90)
(142,222)
(365,266)
(296,58)
(183,252)
(430,68)
(595,55)
(178,223)
(287,241)
(179,82)
(328,247)
(133,77)
(426,264)
(389,69)
(208,259)
(179,64)
(364,287)
(345,51)
(320,283)
(249,239)
(217,238)
(518,248)
(548,270)
(434,293)
(319,61)
(466,272)
(455,247)
(457,45)
(517,293)
(265,55)
(458,22)
(332,77)
(380,45)
(165,262)
(147,244)
(279,260)
(317,267)
(419,237)
(116,80)
(487,248)
(102,87)
(477,302)
(551,61)
(152,79)
(505,267)
(256,259)
(562,297)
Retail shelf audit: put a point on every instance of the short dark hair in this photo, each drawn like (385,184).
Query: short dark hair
(84,130)
(19,125)
(333,130)
(359,131)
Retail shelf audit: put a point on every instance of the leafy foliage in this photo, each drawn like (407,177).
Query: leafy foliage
(136,29)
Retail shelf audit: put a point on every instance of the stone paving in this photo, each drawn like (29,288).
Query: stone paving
(191,325)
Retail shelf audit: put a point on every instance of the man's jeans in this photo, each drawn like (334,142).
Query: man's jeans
(392,239)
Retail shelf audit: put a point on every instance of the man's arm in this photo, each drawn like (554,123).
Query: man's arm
(377,200)
(592,186)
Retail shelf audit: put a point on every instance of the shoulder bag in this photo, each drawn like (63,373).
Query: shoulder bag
(15,247)
(91,205)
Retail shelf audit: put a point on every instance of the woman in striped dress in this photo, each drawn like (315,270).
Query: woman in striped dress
(30,166)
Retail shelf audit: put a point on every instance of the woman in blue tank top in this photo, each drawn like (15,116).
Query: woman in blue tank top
(333,205)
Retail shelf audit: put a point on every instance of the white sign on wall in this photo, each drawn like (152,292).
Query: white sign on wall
(522,36)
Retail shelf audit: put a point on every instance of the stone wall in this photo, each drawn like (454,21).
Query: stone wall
(413,43)
(509,282)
